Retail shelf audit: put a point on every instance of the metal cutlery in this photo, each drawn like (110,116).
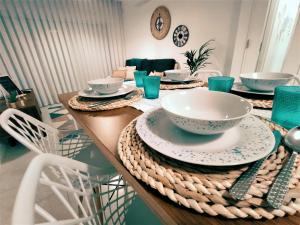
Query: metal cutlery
(240,188)
(106,102)
(280,186)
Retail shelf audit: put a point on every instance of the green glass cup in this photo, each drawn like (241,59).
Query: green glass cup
(151,86)
(222,83)
(138,77)
(286,106)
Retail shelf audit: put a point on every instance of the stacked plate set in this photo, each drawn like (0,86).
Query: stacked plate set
(105,94)
(206,128)
(261,85)
(106,88)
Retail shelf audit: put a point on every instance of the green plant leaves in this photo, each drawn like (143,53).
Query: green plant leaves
(195,62)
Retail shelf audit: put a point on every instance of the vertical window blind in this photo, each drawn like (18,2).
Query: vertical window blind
(56,46)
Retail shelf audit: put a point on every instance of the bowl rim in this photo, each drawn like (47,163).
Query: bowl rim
(113,80)
(246,76)
(177,71)
(163,104)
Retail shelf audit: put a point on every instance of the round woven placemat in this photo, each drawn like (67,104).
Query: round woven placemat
(76,103)
(260,103)
(172,86)
(206,190)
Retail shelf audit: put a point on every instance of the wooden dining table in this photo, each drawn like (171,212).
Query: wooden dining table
(105,127)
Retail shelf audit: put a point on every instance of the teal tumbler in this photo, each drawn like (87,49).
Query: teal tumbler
(286,106)
(138,77)
(151,86)
(222,83)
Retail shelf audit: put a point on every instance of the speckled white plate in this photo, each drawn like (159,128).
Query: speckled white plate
(249,141)
(89,93)
(239,87)
(189,79)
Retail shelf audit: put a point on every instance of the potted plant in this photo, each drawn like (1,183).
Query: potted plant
(197,59)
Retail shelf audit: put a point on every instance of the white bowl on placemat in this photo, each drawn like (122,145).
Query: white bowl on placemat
(205,112)
(265,81)
(107,85)
(177,75)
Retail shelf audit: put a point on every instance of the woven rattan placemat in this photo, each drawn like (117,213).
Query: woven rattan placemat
(76,103)
(172,86)
(206,190)
(260,103)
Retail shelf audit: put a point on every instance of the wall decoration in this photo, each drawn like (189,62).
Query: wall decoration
(160,22)
(180,35)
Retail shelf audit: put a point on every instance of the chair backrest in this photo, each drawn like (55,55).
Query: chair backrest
(205,74)
(34,134)
(82,195)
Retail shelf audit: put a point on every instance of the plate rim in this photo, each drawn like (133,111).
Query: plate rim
(149,143)
(116,94)
(234,88)
(177,81)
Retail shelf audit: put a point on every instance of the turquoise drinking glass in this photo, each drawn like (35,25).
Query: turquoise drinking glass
(138,77)
(286,106)
(223,83)
(151,86)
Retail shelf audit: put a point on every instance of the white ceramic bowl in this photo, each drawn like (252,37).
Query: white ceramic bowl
(265,81)
(205,112)
(178,75)
(107,85)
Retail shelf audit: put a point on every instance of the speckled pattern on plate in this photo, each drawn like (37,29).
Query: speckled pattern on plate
(247,142)
(239,87)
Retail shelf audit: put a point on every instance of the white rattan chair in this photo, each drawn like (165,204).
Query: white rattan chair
(83,195)
(205,74)
(42,138)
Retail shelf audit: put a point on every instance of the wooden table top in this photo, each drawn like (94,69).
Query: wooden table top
(105,127)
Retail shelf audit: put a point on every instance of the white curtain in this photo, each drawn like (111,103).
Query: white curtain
(280,27)
(56,46)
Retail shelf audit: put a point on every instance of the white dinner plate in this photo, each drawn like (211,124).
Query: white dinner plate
(189,79)
(247,142)
(89,93)
(239,87)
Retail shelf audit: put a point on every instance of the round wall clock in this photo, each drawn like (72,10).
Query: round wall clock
(180,35)
(160,22)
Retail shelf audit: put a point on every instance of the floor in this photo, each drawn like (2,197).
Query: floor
(13,164)
(14,161)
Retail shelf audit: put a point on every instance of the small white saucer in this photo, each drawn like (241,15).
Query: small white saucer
(247,142)
(89,93)
(239,87)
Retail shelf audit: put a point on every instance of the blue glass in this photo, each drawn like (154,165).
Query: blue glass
(138,77)
(286,106)
(151,86)
(222,83)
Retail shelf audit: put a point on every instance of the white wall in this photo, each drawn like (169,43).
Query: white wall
(206,19)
